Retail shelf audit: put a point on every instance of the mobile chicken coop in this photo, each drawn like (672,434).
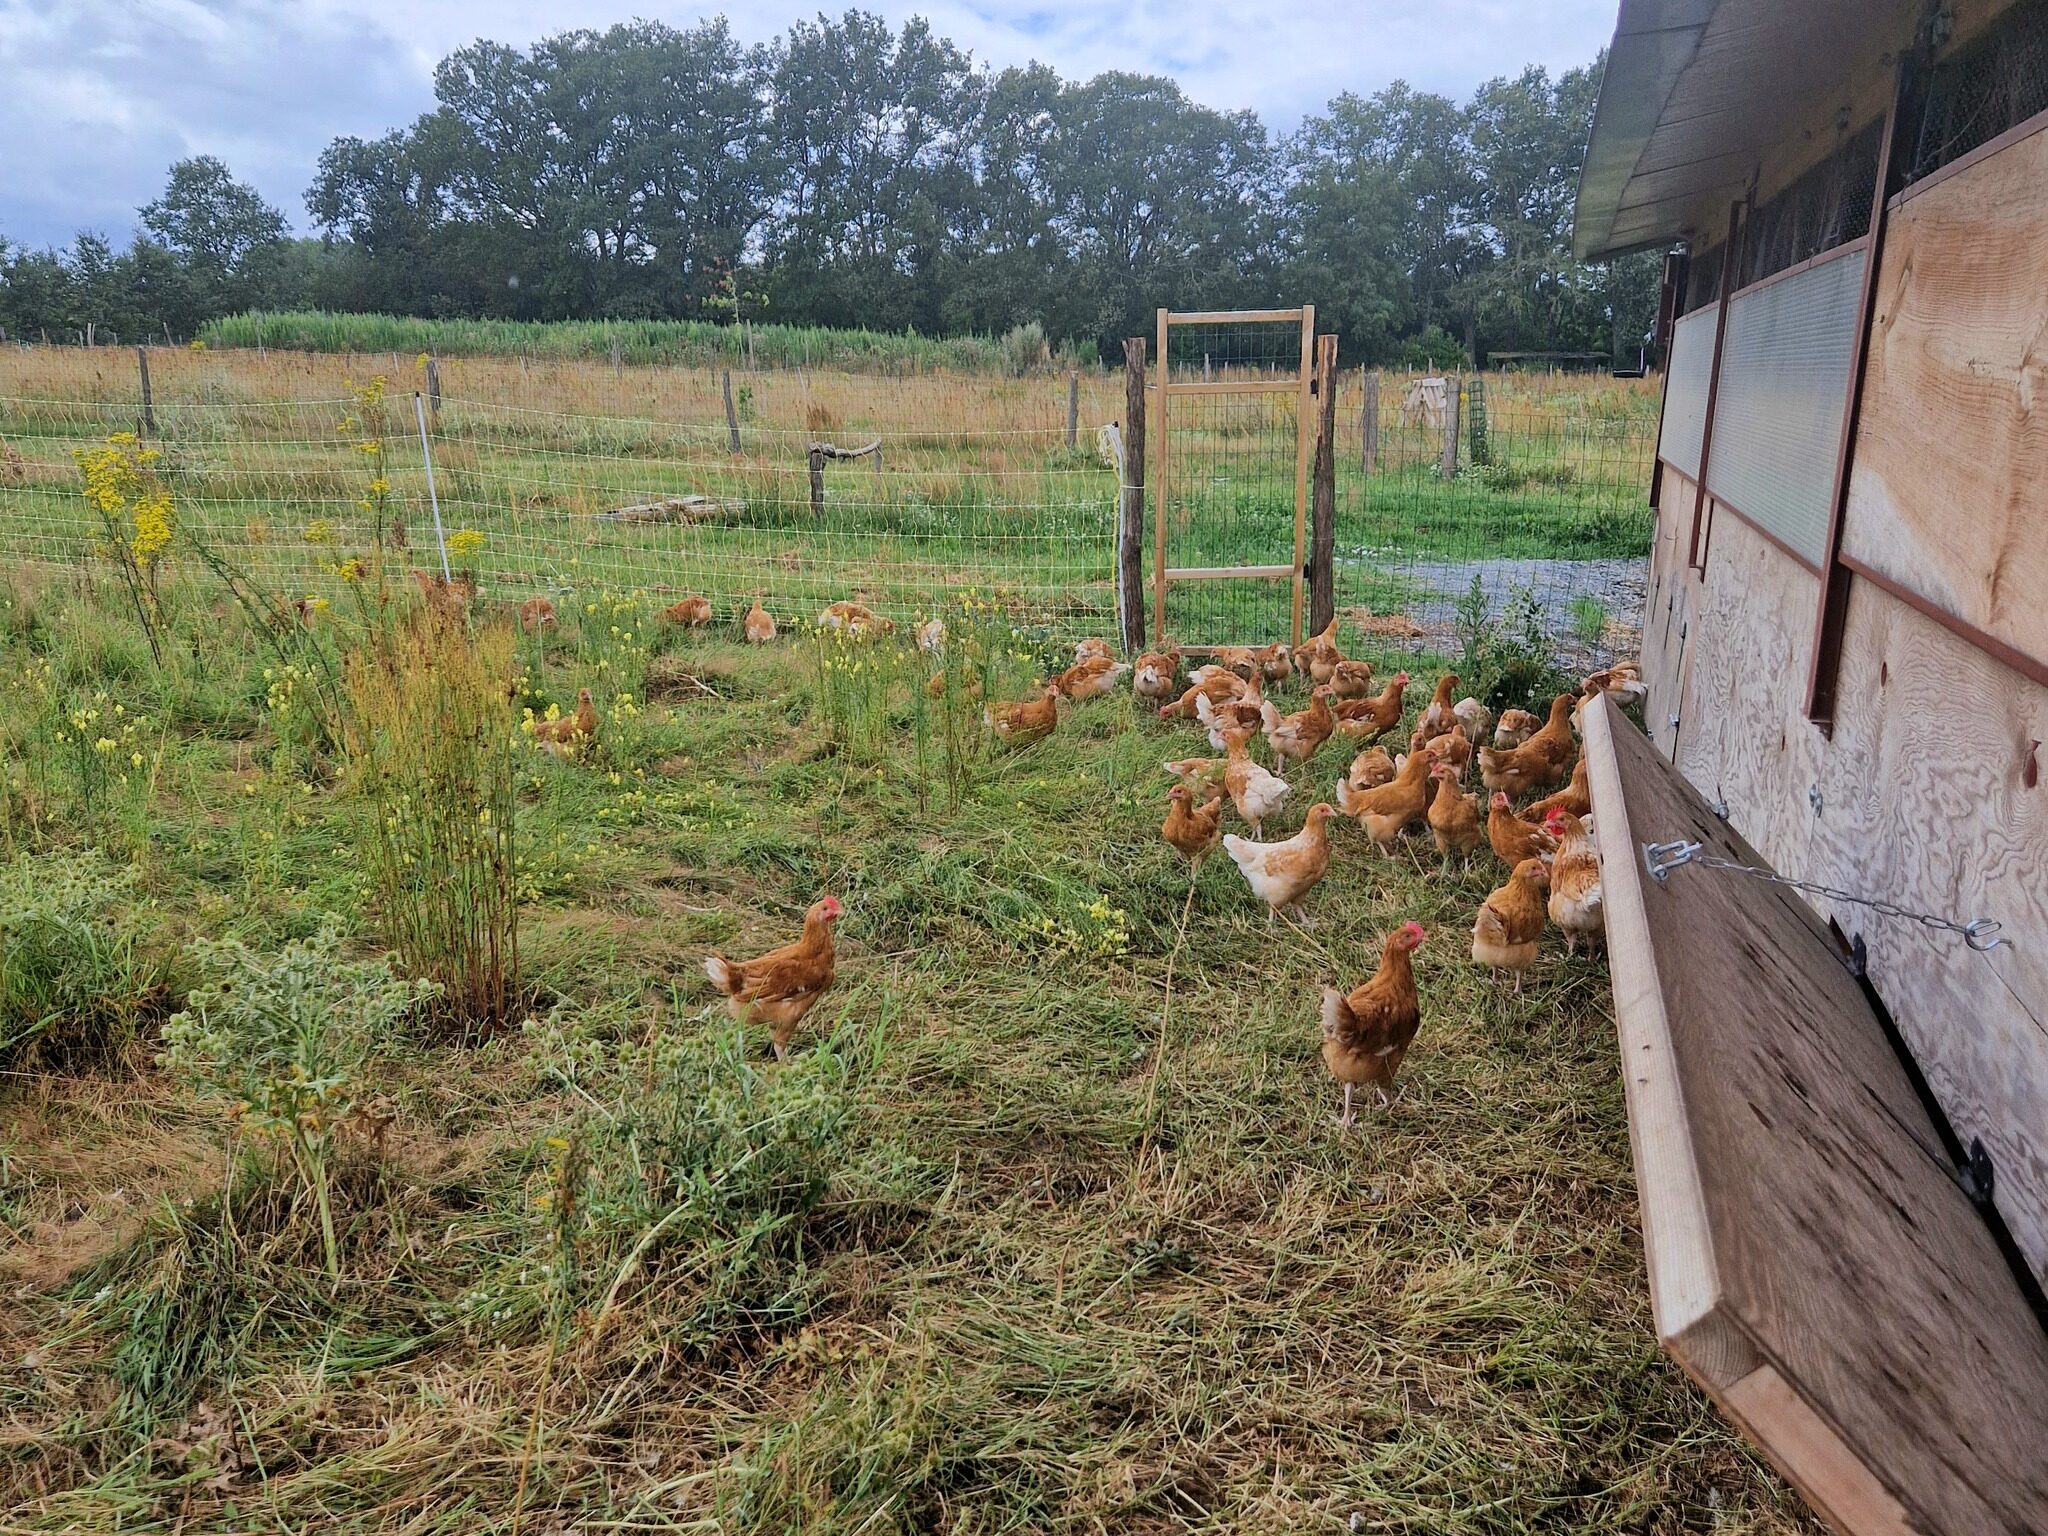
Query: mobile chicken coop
(1837,1066)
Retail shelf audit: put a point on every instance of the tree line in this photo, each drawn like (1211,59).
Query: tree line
(850,174)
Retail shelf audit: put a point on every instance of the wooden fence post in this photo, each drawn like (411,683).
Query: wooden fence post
(1322,560)
(434,389)
(615,355)
(732,417)
(148,405)
(1369,423)
(1130,553)
(1073,407)
(1450,464)
(817,460)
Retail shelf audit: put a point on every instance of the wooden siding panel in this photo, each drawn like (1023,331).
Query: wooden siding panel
(1949,496)
(1668,605)
(1742,736)
(1925,801)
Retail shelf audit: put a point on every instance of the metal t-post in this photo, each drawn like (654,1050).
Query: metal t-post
(419,410)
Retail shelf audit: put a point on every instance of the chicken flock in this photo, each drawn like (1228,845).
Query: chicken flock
(1535,817)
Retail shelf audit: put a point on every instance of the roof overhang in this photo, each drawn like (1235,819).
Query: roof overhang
(1697,92)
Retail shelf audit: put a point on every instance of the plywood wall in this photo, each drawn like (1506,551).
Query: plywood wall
(1949,496)
(1923,799)
(1668,606)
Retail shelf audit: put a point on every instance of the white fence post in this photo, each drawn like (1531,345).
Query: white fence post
(419,410)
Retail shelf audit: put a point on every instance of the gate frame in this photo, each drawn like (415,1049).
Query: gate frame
(1304,447)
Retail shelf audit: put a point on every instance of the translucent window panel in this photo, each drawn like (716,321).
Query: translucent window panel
(1685,390)
(1778,410)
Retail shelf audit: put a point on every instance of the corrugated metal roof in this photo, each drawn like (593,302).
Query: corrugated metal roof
(1697,90)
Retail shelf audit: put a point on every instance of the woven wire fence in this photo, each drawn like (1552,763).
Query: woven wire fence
(572,478)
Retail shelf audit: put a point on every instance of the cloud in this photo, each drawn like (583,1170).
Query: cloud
(98,97)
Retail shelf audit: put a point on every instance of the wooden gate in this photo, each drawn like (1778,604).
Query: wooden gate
(1167,389)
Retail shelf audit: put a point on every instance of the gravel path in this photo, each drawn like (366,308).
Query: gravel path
(1619,586)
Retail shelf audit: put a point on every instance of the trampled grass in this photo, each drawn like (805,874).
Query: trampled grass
(1018,1240)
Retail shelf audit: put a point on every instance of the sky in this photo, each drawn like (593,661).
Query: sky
(98,97)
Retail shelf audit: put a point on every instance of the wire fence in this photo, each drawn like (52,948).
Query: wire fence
(572,478)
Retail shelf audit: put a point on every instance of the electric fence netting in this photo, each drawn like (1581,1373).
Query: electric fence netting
(900,492)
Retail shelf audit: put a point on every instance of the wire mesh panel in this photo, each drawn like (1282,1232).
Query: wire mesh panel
(1828,205)
(1778,412)
(1995,82)
(1230,459)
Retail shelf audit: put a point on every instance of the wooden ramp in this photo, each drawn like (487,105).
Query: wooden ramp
(1812,1264)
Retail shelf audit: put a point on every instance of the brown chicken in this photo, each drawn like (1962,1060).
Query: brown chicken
(1156,673)
(1367,1032)
(1437,715)
(1217,686)
(930,636)
(1241,659)
(1514,839)
(1351,680)
(1026,721)
(1281,874)
(758,626)
(1247,713)
(1474,719)
(1093,649)
(856,619)
(1575,898)
(779,988)
(1198,773)
(1386,812)
(1368,720)
(1624,680)
(1090,679)
(1576,797)
(1276,661)
(1516,726)
(446,596)
(1451,747)
(1370,769)
(690,612)
(537,613)
(1190,827)
(1453,816)
(1505,934)
(570,730)
(1322,649)
(1298,737)
(1538,763)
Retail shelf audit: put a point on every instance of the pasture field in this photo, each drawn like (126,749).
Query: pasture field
(974,485)
(1043,1227)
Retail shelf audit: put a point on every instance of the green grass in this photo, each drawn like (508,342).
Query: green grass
(695,342)
(1021,1239)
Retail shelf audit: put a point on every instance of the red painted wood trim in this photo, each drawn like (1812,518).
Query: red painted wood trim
(2030,667)
(1824,657)
(1695,554)
(2025,128)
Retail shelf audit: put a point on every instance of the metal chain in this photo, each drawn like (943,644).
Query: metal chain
(1980,934)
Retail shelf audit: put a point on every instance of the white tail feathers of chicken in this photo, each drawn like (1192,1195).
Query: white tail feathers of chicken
(719,969)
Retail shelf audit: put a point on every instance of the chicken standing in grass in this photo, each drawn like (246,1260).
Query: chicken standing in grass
(1282,873)
(855,619)
(1244,713)
(1575,900)
(571,730)
(1321,650)
(1474,719)
(931,636)
(1351,680)
(780,987)
(1156,673)
(1090,679)
(1298,737)
(1453,816)
(1025,721)
(1256,793)
(1513,838)
(537,613)
(1386,812)
(1192,826)
(1093,649)
(1437,715)
(1576,797)
(1510,923)
(1515,727)
(1276,661)
(688,613)
(758,626)
(1368,720)
(1538,763)
(1367,1032)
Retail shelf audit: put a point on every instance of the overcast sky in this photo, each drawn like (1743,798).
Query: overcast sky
(98,97)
